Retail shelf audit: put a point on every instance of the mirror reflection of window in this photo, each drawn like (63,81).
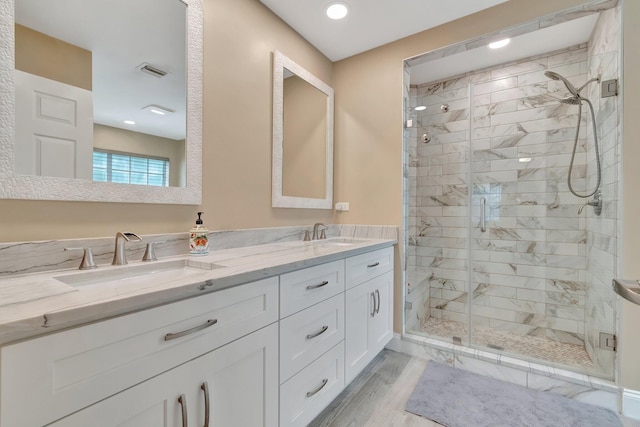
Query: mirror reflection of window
(125,168)
(304,142)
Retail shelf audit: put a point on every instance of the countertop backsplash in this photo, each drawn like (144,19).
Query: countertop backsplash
(31,257)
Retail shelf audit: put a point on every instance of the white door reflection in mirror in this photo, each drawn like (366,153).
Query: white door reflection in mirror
(302,168)
(54,128)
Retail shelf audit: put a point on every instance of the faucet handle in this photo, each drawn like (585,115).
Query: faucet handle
(307,237)
(87,262)
(149,252)
(323,234)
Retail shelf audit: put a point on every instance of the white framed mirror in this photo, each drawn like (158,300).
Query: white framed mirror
(302,168)
(182,183)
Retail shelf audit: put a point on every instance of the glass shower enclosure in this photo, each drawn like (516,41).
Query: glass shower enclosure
(500,254)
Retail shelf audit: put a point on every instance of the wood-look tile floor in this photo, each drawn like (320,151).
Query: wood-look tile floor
(377,397)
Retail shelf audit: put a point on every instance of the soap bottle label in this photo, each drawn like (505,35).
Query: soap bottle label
(199,241)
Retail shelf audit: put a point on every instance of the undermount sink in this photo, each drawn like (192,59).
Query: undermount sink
(628,289)
(338,241)
(139,274)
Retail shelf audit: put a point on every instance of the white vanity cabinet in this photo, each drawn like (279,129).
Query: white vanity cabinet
(269,353)
(369,313)
(47,378)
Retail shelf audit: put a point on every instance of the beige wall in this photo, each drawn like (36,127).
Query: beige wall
(629,343)
(240,36)
(125,141)
(48,57)
(238,112)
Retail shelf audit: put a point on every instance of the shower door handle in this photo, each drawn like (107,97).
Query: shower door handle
(483,215)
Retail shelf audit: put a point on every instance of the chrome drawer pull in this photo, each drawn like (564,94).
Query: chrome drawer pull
(320,332)
(373,307)
(310,287)
(378,298)
(483,214)
(172,336)
(205,388)
(375,264)
(183,404)
(317,389)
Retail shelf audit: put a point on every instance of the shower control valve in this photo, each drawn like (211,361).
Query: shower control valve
(596,202)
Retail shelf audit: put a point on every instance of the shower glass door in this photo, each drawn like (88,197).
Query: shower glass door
(539,264)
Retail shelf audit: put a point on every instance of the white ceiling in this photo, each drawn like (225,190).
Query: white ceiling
(123,34)
(545,40)
(370,23)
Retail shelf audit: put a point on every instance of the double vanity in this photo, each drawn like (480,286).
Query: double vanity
(250,336)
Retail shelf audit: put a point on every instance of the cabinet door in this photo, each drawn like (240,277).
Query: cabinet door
(381,324)
(150,404)
(359,309)
(242,382)
(368,322)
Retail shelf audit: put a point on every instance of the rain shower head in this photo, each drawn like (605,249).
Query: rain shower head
(556,76)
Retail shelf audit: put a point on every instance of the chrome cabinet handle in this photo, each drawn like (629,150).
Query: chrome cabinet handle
(183,404)
(373,307)
(317,389)
(320,332)
(173,336)
(378,298)
(319,285)
(205,388)
(375,264)
(483,216)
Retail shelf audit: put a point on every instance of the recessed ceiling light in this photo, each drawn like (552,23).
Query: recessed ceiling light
(420,108)
(499,44)
(337,10)
(157,109)
(130,122)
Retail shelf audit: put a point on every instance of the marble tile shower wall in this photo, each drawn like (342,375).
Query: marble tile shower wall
(530,267)
(602,231)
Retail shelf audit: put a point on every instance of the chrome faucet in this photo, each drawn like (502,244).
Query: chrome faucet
(322,232)
(120,255)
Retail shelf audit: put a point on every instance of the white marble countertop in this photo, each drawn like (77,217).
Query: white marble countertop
(38,303)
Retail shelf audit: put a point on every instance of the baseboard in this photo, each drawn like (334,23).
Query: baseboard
(631,403)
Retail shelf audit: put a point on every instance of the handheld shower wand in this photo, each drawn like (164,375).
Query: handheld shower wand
(556,76)
(576,99)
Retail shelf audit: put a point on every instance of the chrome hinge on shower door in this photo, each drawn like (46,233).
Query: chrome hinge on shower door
(608,341)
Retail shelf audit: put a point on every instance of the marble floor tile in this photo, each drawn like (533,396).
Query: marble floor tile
(530,346)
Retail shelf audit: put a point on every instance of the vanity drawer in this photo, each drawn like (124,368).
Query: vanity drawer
(307,393)
(66,371)
(303,288)
(308,334)
(361,268)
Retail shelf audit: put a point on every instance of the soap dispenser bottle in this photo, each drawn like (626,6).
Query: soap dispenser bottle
(199,238)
